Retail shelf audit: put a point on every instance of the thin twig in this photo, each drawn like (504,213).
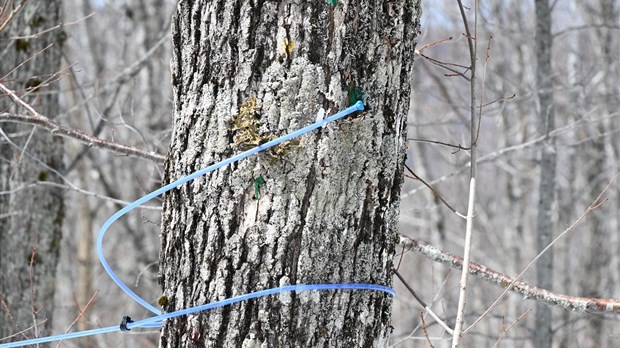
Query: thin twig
(484,78)
(595,204)
(424,305)
(447,66)
(438,292)
(68,185)
(79,190)
(566,302)
(472,43)
(505,331)
(498,100)
(80,314)
(33,309)
(6,15)
(501,152)
(24,62)
(418,50)
(82,137)
(23,332)
(459,146)
(58,26)
(437,194)
(586,26)
(424,330)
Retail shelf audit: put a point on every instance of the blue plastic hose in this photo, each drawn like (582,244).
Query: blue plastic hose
(156,321)
(359,106)
(158,318)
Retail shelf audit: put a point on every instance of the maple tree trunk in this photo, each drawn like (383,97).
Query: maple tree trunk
(328,210)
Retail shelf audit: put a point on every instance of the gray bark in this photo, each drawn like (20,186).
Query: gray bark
(547,197)
(328,211)
(30,219)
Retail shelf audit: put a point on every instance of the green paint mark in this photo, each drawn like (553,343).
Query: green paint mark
(332,2)
(354,95)
(258,182)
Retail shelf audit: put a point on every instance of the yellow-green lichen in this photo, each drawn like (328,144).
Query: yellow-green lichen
(248,135)
(163,301)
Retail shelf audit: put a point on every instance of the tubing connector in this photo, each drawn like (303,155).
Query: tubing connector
(359,106)
(126,320)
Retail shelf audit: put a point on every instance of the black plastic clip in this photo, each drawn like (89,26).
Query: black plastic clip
(126,320)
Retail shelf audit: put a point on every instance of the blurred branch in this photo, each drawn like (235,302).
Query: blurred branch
(507,150)
(586,26)
(424,305)
(580,303)
(573,303)
(39,120)
(437,194)
(76,189)
(55,128)
(58,26)
(7,12)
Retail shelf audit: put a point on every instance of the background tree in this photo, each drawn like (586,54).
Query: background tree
(328,210)
(30,218)
(545,223)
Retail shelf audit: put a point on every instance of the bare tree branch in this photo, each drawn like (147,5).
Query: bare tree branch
(78,190)
(7,12)
(55,128)
(58,26)
(423,304)
(586,26)
(507,150)
(573,303)
(39,120)
(471,201)
(435,192)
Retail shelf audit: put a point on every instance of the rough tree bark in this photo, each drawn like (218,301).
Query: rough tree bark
(547,196)
(30,219)
(328,210)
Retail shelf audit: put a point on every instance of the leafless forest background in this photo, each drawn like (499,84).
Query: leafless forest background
(116,84)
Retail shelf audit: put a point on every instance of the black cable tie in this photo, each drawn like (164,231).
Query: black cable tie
(126,320)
